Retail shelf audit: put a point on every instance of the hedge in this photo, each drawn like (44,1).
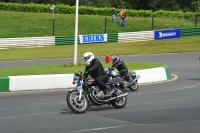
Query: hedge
(66,9)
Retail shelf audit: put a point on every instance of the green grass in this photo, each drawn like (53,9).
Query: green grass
(61,69)
(186,44)
(26,24)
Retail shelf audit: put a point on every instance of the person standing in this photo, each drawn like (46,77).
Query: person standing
(123,19)
(113,14)
(120,16)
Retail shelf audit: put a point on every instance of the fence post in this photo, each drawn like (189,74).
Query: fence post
(152,26)
(196,20)
(105,25)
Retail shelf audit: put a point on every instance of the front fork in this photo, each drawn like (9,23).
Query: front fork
(80,93)
(80,89)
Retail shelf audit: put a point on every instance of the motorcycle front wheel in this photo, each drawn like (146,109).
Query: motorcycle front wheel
(76,105)
(120,102)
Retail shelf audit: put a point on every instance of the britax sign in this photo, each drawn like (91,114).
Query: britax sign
(92,38)
(166,34)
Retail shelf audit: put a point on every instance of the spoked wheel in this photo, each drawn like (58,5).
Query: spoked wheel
(120,102)
(76,105)
(134,87)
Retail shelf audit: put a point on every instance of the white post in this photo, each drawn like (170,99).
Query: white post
(76,33)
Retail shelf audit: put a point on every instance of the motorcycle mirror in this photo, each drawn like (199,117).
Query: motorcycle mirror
(80,72)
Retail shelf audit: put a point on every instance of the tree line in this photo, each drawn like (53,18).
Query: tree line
(172,5)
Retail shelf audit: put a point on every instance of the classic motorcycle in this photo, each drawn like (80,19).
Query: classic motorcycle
(87,93)
(131,83)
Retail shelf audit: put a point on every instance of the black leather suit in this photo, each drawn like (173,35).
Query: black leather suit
(96,71)
(121,67)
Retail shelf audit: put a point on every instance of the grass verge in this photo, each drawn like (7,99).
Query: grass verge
(62,69)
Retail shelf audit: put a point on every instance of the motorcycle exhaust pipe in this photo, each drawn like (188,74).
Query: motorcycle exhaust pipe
(137,77)
(120,96)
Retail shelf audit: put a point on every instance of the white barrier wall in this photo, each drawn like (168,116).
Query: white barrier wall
(50,40)
(151,75)
(27,42)
(136,36)
(38,82)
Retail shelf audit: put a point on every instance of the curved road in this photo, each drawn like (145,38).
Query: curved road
(168,107)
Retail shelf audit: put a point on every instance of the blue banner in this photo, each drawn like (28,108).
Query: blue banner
(92,38)
(166,34)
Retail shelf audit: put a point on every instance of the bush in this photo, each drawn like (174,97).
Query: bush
(83,10)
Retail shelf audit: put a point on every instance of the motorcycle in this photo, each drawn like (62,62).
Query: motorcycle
(131,83)
(87,93)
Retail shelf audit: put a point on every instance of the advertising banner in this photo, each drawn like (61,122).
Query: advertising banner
(166,34)
(92,38)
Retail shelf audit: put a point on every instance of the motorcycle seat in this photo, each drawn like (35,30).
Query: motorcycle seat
(114,81)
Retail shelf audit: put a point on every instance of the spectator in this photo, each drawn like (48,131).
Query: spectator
(123,19)
(113,14)
(120,15)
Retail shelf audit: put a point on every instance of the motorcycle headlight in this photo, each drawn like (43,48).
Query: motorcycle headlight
(75,79)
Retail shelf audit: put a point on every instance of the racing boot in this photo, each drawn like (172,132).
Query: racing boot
(107,93)
(130,79)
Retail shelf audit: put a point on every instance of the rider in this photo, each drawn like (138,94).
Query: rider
(96,71)
(121,67)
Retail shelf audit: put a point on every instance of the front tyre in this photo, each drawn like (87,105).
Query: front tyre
(134,87)
(119,102)
(76,105)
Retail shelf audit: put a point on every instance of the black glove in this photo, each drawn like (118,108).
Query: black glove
(88,71)
(114,65)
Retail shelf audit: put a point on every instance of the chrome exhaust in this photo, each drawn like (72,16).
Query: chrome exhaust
(137,77)
(120,96)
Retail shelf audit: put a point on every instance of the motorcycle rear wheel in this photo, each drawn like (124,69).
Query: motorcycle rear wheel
(134,87)
(120,102)
(76,105)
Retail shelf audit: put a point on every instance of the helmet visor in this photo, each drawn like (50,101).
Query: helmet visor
(87,57)
(114,59)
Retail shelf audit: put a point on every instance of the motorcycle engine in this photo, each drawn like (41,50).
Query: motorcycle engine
(100,95)
(96,88)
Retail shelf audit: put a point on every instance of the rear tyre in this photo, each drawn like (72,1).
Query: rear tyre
(134,87)
(120,102)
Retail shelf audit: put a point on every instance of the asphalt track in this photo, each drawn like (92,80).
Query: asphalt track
(168,107)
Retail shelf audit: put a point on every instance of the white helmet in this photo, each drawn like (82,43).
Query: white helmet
(88,57)
(114,59)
